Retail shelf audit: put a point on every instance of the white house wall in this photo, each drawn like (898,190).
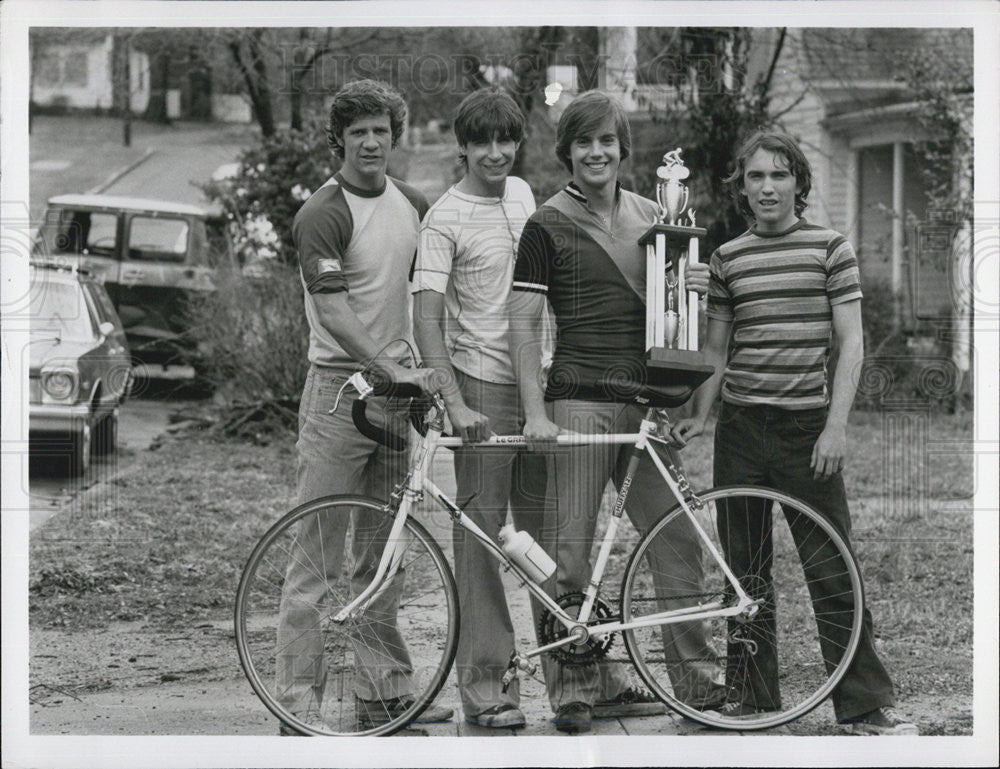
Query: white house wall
(98,92)
(806,110)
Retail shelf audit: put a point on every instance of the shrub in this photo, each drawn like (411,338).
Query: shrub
(253,342)
(902,368)
(542,169)
(273,178)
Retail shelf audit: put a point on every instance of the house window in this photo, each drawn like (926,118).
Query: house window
(47,65)
(62,68)
(75,69)
(894,181)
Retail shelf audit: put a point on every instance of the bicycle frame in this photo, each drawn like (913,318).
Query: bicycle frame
(418,484)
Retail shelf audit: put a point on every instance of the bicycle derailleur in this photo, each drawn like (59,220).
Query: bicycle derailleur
(550,629)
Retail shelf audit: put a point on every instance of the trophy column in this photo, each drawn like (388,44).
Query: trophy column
(672,355)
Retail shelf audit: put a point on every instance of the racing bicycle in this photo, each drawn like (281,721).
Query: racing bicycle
(763,617)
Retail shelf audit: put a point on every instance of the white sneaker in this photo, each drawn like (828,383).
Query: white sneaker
(881,721)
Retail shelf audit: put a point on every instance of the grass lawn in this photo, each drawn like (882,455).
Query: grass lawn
(165,545)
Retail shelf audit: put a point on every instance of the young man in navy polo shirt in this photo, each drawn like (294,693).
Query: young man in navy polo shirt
(580,252)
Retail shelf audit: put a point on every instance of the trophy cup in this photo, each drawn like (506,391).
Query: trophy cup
(672,355)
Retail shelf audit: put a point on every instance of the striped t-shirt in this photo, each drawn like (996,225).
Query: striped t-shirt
(778,291)
(466,251)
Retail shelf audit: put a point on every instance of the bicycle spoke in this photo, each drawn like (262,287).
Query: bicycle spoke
(784,659)
(299,660)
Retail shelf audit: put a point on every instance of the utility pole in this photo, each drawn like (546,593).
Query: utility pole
(123,80)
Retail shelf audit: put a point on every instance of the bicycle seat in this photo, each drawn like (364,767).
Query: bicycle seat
(657,396)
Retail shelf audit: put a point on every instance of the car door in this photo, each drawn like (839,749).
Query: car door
(160,266)
(116,366)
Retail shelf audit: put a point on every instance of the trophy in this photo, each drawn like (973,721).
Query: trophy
(672,355)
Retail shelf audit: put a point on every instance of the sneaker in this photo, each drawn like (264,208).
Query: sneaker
(573,718)
(310,718)
(634,701)
(504,716)
(374,712)
(885,720)
(737,710)
(733,709)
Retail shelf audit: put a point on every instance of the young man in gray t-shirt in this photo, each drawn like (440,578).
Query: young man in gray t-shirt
(463,273)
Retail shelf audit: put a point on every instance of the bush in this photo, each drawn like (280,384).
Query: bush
(273,179)
(902,368)
(542,170)
(253,341)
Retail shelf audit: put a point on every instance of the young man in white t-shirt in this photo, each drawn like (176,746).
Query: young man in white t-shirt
(465,263)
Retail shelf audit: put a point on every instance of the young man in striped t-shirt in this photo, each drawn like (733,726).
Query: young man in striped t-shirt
(779,290)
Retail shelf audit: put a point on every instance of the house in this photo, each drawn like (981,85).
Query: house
(852,109)
(848,96)
(74,69)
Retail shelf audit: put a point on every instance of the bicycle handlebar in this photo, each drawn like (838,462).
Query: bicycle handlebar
(373,431)
(379,385)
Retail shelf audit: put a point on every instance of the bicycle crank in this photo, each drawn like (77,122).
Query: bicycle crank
(587,652)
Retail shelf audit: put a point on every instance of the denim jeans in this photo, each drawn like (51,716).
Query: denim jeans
(771,446)
(487,480)
(334,458)
(577,477)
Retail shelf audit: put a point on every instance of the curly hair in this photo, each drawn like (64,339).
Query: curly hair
(360,99)
(583,116)
(780,144)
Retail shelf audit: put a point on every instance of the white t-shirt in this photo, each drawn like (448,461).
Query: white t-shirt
(466,251)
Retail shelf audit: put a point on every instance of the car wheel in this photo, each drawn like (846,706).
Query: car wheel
(82,442)
(105,439)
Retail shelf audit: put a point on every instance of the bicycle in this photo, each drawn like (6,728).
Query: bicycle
(769,606)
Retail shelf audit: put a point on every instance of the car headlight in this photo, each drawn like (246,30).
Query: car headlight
(60,384)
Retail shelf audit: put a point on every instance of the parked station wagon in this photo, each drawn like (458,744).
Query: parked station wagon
(151,256)
(80,368)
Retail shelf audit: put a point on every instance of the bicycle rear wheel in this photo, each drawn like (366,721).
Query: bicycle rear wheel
(310,670)
(773,667)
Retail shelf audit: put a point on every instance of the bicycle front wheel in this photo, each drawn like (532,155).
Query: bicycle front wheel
(371,673)
(745,672)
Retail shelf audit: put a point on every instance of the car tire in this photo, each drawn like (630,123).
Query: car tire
(105,436)
(82,444)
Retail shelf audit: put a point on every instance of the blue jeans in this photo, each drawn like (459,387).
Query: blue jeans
(334,458)
(577,477)
(771,446)
(487,480)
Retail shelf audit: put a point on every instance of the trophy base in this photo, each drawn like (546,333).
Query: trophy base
(677,367)
(677,235)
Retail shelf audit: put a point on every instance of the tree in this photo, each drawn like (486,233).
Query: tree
(248,48)
(714,100)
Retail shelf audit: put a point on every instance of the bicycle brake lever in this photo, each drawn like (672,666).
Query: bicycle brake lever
(359,383)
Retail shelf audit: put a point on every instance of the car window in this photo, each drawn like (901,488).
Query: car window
(69,231)
(160,239)
(60,310)
(199,250)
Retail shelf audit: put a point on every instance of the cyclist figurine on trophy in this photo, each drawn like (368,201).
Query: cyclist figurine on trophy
(672,355)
